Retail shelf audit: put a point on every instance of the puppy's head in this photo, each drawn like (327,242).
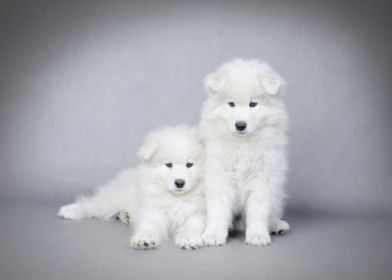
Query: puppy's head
(174,157)
(244,94)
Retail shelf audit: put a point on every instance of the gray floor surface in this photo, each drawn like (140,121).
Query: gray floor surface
(35,244)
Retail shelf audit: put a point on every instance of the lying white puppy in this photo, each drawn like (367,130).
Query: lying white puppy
(163,195)
(243,123)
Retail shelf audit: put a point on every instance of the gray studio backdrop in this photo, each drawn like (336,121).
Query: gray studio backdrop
(82,82)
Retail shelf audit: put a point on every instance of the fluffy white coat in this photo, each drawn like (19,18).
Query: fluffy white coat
(243,124)
(163,196)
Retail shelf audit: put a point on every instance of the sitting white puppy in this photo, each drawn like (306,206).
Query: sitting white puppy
(243,124)
(164,195)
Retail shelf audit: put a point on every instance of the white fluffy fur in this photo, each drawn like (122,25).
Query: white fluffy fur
(149,196)
(245,170)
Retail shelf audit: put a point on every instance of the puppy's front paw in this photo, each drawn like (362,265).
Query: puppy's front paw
(143,241)
(71,211)
(188,242)
(214,237)
(260,238)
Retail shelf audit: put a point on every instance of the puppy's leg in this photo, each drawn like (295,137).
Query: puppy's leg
(277,226)
(150,229)
(105,203)
(218,221)
(94,206)
(189,234)
(220,199)
(73,211)
(257,214)
(265,203)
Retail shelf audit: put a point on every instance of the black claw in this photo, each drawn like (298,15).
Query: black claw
(281,232)
(153,243)
(193,248)
(145,244)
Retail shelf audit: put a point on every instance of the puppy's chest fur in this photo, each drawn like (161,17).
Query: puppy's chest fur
(178,209)
(244,160)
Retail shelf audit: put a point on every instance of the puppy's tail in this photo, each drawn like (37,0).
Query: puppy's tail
(111,200)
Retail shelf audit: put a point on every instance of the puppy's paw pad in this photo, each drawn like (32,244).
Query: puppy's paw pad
(189,242)
(279,227)
(123,216)
(143,242)
(71,212)
(258,239)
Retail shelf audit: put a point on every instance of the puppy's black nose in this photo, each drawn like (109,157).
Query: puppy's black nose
(179,183)
(240,125)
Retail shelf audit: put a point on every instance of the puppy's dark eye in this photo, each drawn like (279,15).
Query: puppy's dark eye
(169,164)
(189,164)
(231,104)
(252,104)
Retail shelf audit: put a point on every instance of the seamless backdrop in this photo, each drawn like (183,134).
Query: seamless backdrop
(82,82)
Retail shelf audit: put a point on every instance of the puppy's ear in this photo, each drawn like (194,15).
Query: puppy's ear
(271,81)
(149,147)
(215,81)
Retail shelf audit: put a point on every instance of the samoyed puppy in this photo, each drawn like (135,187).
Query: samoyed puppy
(163,196)
(243,124)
